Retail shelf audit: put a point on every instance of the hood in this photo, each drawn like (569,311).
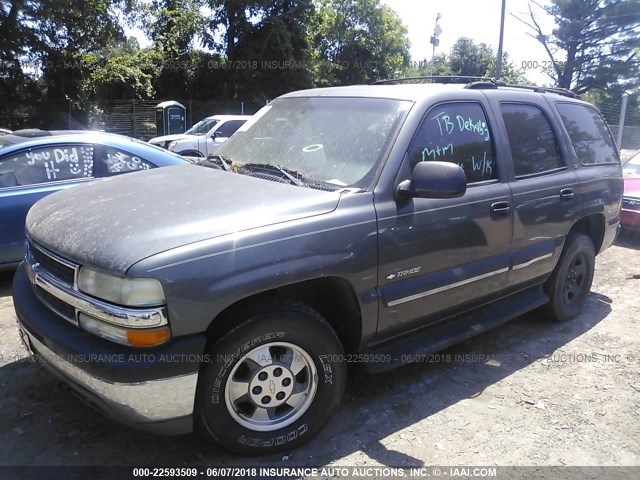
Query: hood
(116,222)
(170,138)
(632,186)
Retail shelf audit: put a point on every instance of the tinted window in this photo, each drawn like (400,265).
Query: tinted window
(534,147)
(46,164)
(117,161)
(589,134)
(229,128)
(457,133)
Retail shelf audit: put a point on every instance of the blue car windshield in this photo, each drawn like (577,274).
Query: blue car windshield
(202,127)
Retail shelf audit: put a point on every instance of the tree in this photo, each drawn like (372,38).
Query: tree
(231,20)
(593,43)
(274,53)
(468,58)
(173,25)
(356,42)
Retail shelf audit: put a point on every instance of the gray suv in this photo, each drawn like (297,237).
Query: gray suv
(363,225)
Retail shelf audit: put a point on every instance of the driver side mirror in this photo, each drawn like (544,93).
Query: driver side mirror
(434,180)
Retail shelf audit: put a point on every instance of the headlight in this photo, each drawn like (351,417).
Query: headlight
(132,292)
(172,145)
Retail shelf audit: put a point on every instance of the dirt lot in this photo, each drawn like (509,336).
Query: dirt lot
(531,393)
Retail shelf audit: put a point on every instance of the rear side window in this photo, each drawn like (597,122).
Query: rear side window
(118,161)
(46,164)
(534,146)
(589,134)
(457,133)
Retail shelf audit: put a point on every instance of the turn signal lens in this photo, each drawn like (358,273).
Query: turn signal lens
(132,337)
(147,338)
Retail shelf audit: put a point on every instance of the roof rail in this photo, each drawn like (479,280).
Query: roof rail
(480,83)
(560,91)
(435,78)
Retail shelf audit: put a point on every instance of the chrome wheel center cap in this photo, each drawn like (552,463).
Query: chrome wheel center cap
(271,386)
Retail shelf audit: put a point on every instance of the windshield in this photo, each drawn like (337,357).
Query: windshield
(334,140)
(202,127)
(632,166)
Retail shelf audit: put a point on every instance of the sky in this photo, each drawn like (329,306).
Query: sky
(477,19)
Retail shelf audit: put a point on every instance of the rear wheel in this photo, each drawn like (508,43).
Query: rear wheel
(272,382)
(571,280)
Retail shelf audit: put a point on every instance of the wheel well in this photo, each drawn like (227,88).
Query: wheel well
(332,297)
(191,153)
(593,227)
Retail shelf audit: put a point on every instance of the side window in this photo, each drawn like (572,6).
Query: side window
(589,134)
(534,147)
(229,128)
(457,133)
(117,161)
(46,164)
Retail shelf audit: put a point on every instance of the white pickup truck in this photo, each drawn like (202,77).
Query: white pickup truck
(202,139)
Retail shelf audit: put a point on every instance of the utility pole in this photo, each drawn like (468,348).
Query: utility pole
(623,112)
(435,41)
(498,71)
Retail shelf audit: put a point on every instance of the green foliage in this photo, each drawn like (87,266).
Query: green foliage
(356,42)
(468,59)
(594,43)
(119,77)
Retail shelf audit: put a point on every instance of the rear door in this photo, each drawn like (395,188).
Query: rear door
(543,183)
(443,255)
(28,175)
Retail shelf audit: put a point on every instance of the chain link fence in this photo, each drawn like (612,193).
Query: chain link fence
(630,139)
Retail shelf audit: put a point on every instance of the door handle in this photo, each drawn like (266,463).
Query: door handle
(500,209)
(567,194)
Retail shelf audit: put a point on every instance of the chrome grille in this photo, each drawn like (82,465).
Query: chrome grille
(631,203)
(63,309)
(62,270)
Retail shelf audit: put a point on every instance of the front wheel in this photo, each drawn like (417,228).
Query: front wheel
(272,382)
(571,280)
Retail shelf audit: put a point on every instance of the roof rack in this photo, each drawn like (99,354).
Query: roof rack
(557,90)
(480,83)
(499,83)
(440,78)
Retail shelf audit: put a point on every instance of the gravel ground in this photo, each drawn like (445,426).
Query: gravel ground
(531,392)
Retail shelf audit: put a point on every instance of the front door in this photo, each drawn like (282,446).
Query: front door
(443,255)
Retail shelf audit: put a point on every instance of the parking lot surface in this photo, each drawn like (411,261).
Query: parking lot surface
(532,392)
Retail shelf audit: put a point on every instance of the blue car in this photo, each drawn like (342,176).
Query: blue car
(31,168)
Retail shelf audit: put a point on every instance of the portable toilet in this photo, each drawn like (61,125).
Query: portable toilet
(171,117)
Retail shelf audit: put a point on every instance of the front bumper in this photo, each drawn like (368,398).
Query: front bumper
(152,389)
(630,218)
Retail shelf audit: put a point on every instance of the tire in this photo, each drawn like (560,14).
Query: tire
(571,280)
(273,382)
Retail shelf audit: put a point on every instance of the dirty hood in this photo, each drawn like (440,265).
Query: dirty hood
(116,222)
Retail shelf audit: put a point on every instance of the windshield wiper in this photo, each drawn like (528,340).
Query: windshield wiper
(289,174)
